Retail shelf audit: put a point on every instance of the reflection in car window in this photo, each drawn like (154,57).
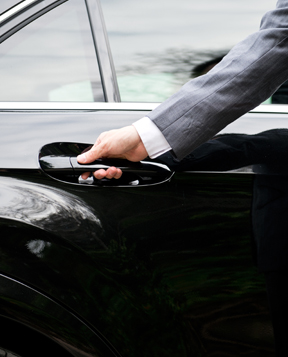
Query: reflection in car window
(52,59)
(157,43)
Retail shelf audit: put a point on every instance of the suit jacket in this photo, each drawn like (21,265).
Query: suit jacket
(247,76)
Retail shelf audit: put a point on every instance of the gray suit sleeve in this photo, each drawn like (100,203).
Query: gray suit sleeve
(247,76)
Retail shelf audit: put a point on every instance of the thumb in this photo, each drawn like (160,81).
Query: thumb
(89,156)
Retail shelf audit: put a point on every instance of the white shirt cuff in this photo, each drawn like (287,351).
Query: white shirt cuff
(152,138)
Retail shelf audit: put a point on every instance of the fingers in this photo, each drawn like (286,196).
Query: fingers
(110,173)
(85,175)
(120,143)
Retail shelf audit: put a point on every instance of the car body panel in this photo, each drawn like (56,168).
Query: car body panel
(29,307)
(163,275)
(85,125)
(166,268)
(156,255)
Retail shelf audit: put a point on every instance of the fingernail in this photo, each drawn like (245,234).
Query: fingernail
(81,158)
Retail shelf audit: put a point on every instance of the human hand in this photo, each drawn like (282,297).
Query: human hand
(124,143)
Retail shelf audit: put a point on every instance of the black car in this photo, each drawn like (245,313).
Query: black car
(164,261)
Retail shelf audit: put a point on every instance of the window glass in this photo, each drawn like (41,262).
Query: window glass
(52,59)
(156,44)
(6,4)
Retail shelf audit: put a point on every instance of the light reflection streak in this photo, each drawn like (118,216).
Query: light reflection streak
(51,209)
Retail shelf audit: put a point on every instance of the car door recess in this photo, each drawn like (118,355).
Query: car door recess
(59,160)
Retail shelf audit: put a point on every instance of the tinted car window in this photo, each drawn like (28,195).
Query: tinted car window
(52,59)
(157,43)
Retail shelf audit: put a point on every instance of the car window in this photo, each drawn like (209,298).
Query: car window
(156,44)
(7,4)
(53,58)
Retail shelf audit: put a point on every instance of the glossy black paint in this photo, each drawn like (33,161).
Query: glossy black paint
(29,307)
(132,261)
(164,278)
(42,128)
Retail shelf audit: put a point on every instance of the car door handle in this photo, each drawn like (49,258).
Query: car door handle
(65,167)
(134,173)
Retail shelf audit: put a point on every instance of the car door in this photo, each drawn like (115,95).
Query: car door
(159,262)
